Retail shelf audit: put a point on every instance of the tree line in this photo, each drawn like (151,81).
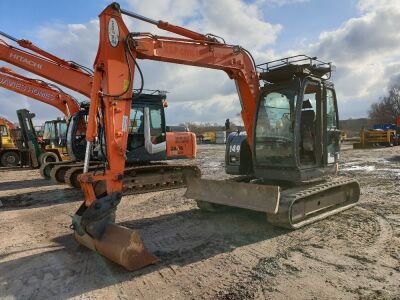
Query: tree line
(387,109)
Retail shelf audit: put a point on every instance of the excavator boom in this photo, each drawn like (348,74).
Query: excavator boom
(39,90)
(46,65)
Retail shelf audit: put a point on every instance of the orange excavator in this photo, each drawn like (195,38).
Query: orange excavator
(66,73)
(289,156)
(39,90)
(54,147)
(148,139)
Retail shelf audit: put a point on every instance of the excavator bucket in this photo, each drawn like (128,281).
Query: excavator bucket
(120,245)
(258,197)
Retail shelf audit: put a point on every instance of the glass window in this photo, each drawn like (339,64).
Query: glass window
(155,118)
(332,134)
(156,131)
(61,133)
(310,94)
(62,129)
(308,124)
(274,128)
(49,131)
(3,130)
(330,110)
(136,121)
(274,116)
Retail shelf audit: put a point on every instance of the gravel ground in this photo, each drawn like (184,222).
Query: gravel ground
(230,255)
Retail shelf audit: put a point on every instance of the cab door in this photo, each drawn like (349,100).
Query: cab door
(309,116)
(332,132)
(146,139)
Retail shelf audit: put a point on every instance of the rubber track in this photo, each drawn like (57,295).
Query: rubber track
(47,167)
(56,169)
(130,173)
(289,196)
(78,168)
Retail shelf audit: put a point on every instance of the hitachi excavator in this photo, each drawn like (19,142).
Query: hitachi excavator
(290,153)
(54,131)
(149,141)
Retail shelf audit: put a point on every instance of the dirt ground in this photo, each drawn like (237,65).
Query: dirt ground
(230,255)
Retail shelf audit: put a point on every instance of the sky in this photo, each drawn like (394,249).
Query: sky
(360,37)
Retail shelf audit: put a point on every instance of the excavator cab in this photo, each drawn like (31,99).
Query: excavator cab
(295,149)
(296,132)
(55,141)
(147,130)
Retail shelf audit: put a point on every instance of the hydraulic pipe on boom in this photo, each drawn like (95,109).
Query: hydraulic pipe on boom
(111,97)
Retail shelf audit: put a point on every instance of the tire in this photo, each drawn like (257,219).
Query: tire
(10,159)
(48,157)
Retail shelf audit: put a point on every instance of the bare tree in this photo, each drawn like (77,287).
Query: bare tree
(388,107)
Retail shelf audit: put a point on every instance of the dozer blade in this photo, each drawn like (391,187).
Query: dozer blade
(120,245)
(258,197)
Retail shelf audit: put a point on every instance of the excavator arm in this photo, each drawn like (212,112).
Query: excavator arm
(114,75)
(44,64)
(110,106)
(39,90)
(111,97)
(233,60)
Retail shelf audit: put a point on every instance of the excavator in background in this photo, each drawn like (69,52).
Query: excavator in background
(148,145)
(55,131)
(289,155)
(10,156)
(21,146)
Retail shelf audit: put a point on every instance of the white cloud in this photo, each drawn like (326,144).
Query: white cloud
(280,2)
(364,50)
(77,42)
(195,93)
(371,5)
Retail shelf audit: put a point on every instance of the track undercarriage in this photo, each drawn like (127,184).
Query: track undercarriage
(288,207)
(137,179)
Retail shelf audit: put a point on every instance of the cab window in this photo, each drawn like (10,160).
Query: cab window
(274,128)
(3,130)
(136,121)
